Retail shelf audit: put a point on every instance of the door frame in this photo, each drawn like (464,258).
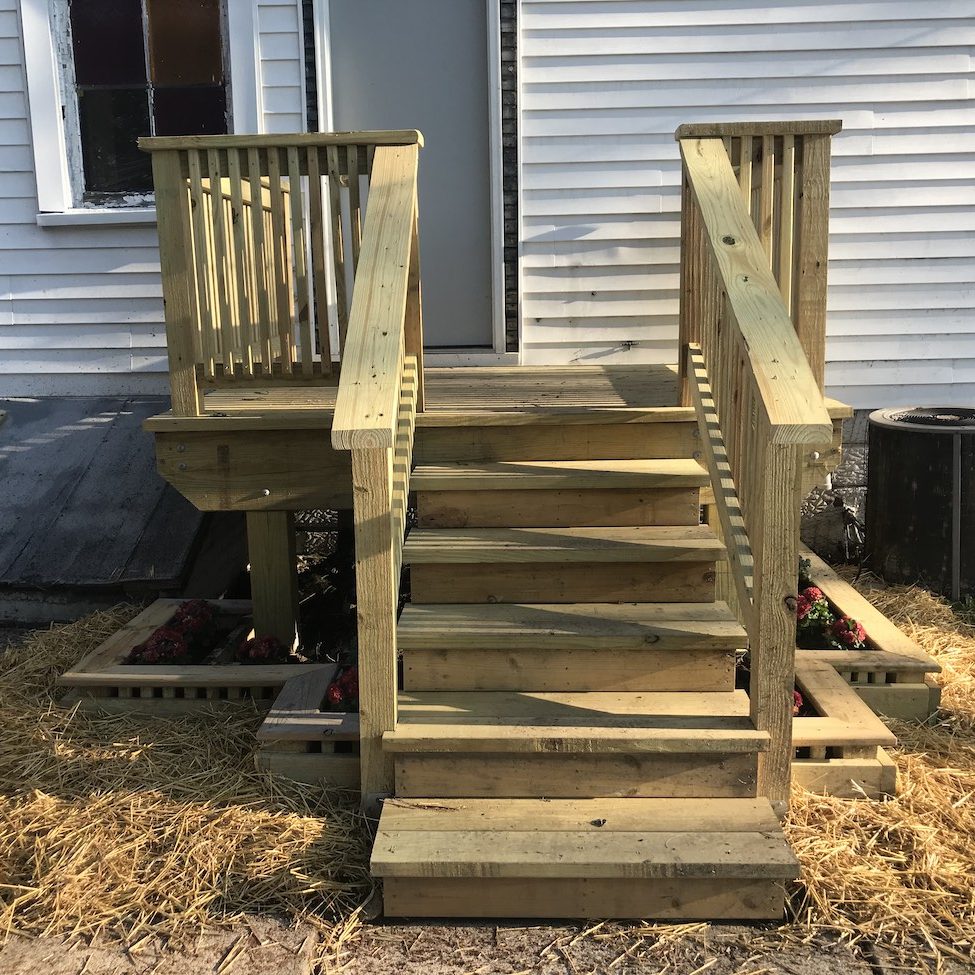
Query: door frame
(495,354)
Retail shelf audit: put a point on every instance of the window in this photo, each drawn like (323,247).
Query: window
(140,67)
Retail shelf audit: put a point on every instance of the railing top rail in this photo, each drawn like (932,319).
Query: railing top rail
(367,403)
(380,137)
(789,391)
(712,130)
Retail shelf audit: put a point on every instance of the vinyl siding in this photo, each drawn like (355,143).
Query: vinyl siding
(604,83)
(81,307)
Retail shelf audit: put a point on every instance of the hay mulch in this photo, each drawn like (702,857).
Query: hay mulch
(126,826)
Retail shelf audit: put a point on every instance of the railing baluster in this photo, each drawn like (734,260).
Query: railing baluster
(355,215)
(219,261)
(280,261)
(242,271)
(316,232)
(765,196)
(299,243)
(338,245)
(199,211)
(261,259)
(787,220)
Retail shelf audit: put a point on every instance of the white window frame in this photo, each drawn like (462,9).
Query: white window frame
(56,152)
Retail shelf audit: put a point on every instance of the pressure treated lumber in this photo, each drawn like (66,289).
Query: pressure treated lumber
(539,545)
(274,579)
(578,475)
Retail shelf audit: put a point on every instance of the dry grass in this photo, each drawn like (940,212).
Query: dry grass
(126,826)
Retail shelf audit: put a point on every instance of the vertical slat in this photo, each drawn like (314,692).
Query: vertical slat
(813,243)
(274,573)
(692,253)
(413,324)
(299,244)
(376,587)
(199,211)
(261,259)
(745,171)
(766,192)
(787,220)
(338,244)
(241,265)
(281,276)
(175,257)
(316,233)
(355,204)
(219,258)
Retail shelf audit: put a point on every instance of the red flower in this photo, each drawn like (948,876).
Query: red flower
(813,593)
(803,606)
(797,703)
(262,650)
(166,645)
(848,632)
(334,696)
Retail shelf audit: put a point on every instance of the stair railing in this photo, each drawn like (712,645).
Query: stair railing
(380,392)
(260,238)
(758,398)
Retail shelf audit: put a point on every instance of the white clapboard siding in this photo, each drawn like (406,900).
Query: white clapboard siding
(604,83)
(81,306)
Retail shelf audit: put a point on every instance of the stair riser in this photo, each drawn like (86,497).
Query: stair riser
(558,508)
(531,897)
(576,776)
(598,441)
(553,583)
(568,670)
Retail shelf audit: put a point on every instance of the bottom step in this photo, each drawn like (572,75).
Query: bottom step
(669,859)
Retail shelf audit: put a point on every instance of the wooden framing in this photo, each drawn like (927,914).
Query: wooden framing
(101,682)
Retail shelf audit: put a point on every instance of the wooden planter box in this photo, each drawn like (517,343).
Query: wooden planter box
(841,751)
(895,677)
(101,681)
(302,742)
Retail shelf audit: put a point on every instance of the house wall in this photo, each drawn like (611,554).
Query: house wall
(604,85)
(81,306)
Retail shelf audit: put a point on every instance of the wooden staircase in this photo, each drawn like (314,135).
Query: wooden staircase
(569,740)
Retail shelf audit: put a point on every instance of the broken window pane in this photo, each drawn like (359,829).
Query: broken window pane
(112,119)
(185,42)
(190,111)
(108,41)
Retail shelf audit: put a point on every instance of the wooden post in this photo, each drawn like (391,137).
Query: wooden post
(274,573)
(812,245)
(777,471)
(692,253)
(176,265)
(376,594)
(413,326)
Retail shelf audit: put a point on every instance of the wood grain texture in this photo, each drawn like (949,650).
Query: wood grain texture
(274,574)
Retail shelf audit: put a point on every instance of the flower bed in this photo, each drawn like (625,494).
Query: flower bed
(889,672)
(304,739)
(177,657)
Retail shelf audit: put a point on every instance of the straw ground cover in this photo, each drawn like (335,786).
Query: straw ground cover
(125,826)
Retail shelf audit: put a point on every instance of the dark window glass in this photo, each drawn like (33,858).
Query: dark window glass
(108,41)
(184,42)
(111,121)
(190,111)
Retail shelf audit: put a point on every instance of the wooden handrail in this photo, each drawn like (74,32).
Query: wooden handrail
(711,130)
(392,137)
(372,364)
(790,395)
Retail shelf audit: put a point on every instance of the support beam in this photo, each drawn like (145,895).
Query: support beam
(274,575)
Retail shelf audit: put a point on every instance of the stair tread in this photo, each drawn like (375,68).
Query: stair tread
(472,476)
(635,838)
(621,626)
(658,543)
(583,721)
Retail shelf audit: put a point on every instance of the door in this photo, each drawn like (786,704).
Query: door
(423,64)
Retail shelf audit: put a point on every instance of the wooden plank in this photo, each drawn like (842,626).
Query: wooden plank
(240,265)
(558,507)
(790,394)
(653,543)
(904,702)
(334,771)
(606,853)
(870,661)
(372,359)
(575,582)
(569,474)
(338,245)
(261,259)
(787,220)
(376,591)
(299,243)
(712,130)
(355,204)
(274,573)
(546,441)
(584,898)
(280,269)
(175,258)
(441,415)
(765,215)
(576,776)
(580,626)
(848,778)
(503,669)
(413,322)
(316,232)
(580,815)
(390,137)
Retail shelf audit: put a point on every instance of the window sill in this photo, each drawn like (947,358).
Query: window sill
(133,216)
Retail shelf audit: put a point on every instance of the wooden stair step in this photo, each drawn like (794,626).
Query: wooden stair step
(648,543)
(544,474)
(605,857)
(581,626)
(581,722)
